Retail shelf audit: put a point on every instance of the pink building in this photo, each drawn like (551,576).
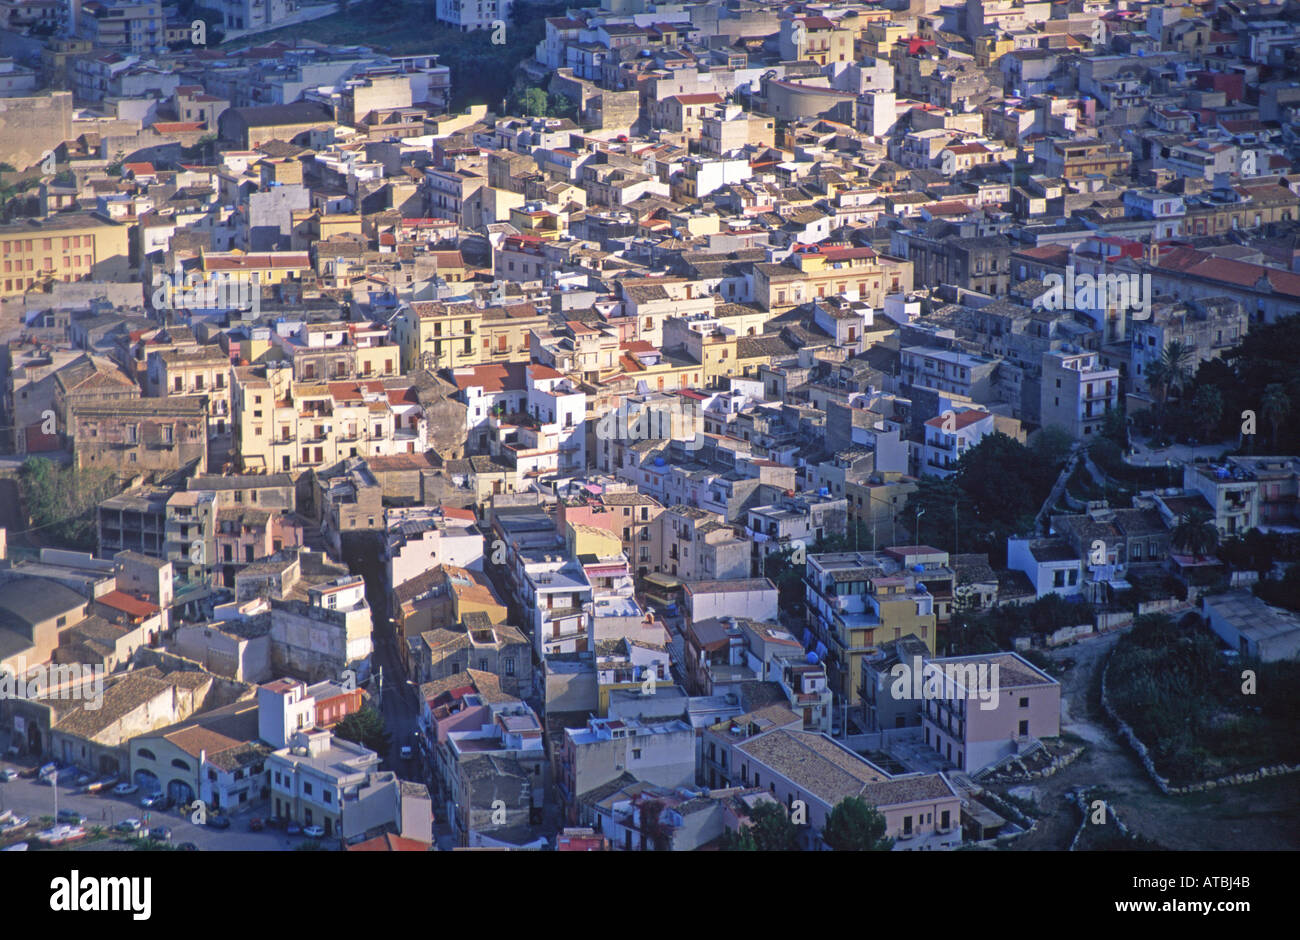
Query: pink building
(987,707)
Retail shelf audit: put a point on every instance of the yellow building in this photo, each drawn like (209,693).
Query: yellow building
(830,271)
(988,49)
(71,246)
(267,267)
(583,539)
(454,336)
(282,426)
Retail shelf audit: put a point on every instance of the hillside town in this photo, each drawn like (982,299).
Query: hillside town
(794,426)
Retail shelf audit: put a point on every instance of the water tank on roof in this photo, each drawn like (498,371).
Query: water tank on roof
(659,462)
(825,491)
(811,659)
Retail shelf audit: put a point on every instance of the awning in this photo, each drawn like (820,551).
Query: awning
(663,581)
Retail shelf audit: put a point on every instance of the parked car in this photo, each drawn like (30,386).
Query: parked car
(160,833)
(314,832)
(125,789)
(130,824)
(157,801)
(103,783)
(85,780)
(147,801)
(187,847)
(49,769)
(8,774)
(276,822)
(218,822)
(256,824)
(293,829)
(71,817)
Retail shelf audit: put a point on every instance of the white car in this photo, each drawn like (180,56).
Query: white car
(8,774)
(314,832)
(130,824)
(125,789)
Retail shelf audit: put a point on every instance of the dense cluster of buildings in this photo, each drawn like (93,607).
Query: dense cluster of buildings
(552,401)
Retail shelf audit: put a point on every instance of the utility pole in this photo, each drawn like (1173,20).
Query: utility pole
(919,514)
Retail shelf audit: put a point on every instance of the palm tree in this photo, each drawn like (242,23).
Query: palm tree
(1195,533)
(1177,361)
(1158,380)
(1208,405)
(1275,406)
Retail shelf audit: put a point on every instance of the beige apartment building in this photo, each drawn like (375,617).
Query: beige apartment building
(436,336)
(292,427)
(830,270)
(339,351)
(201,371)
(69,246)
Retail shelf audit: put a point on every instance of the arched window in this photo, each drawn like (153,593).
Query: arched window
(146,754)
(180,764)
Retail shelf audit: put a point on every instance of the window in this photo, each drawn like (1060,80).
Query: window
(306,788)
(636,753)
(1024,701)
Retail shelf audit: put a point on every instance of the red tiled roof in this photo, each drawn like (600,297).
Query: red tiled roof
(389,842)
(120,600)
(957,421)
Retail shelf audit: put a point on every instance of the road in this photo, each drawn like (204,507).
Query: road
(27,797)
(398,698)
(1258,816)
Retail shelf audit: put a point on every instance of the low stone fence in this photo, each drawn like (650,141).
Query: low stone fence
(1007,771)
(1144,755)
(1080,799)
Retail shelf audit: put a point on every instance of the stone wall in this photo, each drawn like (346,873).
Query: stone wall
(30,127)
(1128,734)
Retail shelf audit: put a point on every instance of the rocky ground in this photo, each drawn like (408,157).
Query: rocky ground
(1257,816)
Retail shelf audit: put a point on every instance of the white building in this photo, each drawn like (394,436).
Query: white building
(949,436)
(467,15)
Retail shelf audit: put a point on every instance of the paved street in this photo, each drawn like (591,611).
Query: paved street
(28,797)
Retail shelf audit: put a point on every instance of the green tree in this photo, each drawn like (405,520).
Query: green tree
(366,727)
(1208,407)
(1195,533)
(1274,407)
(1177,360)
(854,825)
(771,831)
(531,102)
(1157,376)
(61,500)
(1114,427)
